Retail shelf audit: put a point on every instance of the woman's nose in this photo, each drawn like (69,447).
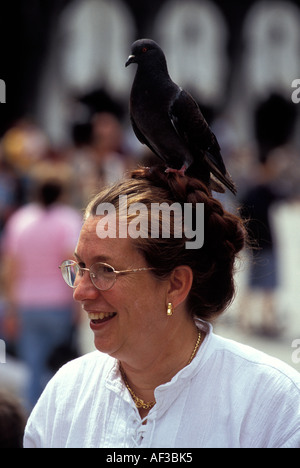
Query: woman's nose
(85,289)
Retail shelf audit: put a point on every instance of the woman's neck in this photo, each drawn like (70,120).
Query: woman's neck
(159,363)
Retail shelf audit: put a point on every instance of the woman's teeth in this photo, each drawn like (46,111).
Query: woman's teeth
(100,315)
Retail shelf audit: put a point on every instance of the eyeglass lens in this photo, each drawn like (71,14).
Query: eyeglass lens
(102,276)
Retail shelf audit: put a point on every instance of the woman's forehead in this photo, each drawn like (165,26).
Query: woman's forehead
(110,248)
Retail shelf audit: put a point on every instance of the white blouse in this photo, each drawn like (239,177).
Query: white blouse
(230,396)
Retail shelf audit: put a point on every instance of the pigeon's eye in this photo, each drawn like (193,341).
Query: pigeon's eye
(144,49)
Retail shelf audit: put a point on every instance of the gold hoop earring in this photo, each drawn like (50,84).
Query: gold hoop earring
(170,309)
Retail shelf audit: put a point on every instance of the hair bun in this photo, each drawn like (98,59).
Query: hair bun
(225,233)
(181,188)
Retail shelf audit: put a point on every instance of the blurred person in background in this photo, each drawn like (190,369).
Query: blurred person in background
(39,308)
(257,204)
(107,136)
(99,156)
(24,144)
(10,191)
(12,421)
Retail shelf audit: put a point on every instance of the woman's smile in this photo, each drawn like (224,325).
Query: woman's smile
(100,316)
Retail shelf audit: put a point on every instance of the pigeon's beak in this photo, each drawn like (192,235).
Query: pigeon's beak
(131,59)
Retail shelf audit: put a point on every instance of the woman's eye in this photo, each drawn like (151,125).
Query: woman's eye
(107,269)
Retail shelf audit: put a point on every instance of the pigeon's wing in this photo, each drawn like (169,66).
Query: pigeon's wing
(190,124)
(141,137)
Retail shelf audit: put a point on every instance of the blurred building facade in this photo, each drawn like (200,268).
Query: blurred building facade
(229,54)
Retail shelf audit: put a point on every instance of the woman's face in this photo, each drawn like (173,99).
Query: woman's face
(132,314)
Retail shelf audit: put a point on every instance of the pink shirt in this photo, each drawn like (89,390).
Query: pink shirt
(40,240)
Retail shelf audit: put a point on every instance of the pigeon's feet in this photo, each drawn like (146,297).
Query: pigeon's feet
(181,171)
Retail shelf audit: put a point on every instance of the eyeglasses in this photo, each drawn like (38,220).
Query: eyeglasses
(103,276)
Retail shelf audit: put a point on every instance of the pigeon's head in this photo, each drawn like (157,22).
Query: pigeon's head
(145,51)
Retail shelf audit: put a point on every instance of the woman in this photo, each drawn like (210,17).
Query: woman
(160,377)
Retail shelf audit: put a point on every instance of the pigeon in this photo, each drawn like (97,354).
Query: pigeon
(168,120)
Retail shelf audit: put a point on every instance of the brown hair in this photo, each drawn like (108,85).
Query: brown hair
(212,264)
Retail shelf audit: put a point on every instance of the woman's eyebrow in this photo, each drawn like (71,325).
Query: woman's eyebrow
(97,258)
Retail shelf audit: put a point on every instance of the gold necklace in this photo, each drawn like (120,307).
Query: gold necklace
(139,403)
(196,348)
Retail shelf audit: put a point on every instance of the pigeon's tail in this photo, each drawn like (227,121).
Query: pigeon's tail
(225,179)
(206,171)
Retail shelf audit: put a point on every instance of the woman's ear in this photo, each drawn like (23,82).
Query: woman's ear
(180,283)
